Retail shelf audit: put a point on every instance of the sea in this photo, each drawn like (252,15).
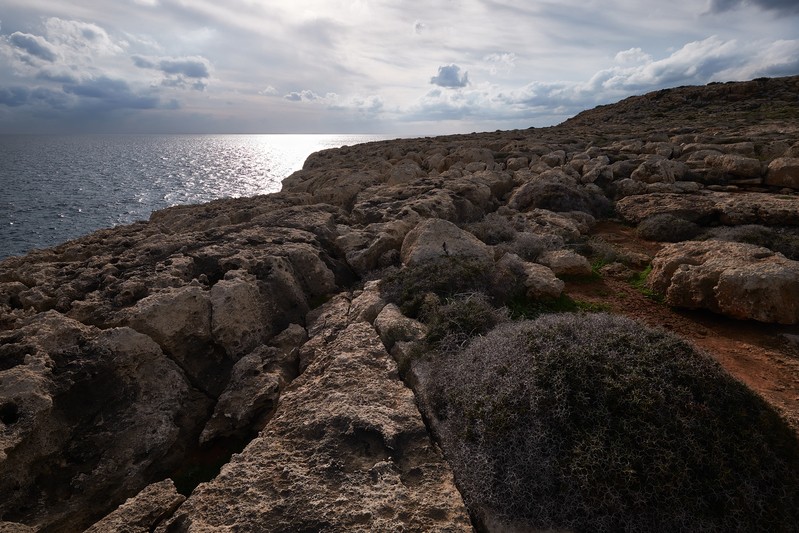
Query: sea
(58,187)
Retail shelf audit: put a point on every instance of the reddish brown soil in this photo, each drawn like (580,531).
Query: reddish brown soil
(754,353)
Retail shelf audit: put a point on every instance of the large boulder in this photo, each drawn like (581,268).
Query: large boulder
(735,279)
(87,416)
(565,263)
(783,172)
(433,238)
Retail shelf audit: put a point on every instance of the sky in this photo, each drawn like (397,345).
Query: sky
(411,67)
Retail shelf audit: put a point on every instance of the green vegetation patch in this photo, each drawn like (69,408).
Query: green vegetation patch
(638,281)
(590,422)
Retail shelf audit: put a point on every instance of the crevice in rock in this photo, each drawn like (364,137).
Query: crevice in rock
(203,463)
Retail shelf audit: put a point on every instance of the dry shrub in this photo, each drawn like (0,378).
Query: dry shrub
(598,423)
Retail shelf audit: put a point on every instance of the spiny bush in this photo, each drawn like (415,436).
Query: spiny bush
(598,423)
(493,229)
(529,246)
(444,277)
(457,320)
(667,228)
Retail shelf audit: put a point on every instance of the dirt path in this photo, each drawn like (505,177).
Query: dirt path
(755,353)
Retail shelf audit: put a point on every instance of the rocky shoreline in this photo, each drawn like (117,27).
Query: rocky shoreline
(238,365)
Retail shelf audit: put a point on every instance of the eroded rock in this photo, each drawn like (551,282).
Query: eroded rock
(347,450)
(735,279)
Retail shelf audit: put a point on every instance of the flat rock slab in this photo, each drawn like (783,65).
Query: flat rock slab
(731,209)
(346,451)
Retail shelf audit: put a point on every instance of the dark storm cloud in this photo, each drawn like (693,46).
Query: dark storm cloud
(110,93)
(20,96)
(14,96)
(191,67)
(33,45)
(781,6)
(450,76)
(181,72)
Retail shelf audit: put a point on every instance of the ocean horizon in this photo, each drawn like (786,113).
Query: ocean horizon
(54,188)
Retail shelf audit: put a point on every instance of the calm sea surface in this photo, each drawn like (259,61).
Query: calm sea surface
(55,188)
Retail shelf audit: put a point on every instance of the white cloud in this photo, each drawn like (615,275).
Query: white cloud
(269,91)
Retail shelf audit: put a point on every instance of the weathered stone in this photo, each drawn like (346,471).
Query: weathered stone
(736,165)
(634,209)
(346,451)
(395,327)
(735,279)
(14,527)
(783,172)
(517,163)
(404,171)
(565,263)
(658,169)
(557,191)
(241,314)
(541,282)
(99,408)
(142,513)
(252,392)
(434,238)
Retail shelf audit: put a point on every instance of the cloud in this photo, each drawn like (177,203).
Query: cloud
(450,76)
(191,67)
(80,38)
(14,96)
(698,62)
(112,93)
(505,61)
(33,45)
(304,96)
(180,72)
(268,91)
(780,6)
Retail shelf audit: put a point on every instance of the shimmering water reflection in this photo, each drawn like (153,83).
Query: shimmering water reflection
(54,188)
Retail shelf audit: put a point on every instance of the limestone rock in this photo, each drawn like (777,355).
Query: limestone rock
(565,263)
(434,238)
(395,327)
(736,165)
(634,209)
(179,320)
(370,248)
(98,409)
(658,169)
(555,190)
(517,163)
(252,392)
(784,172)
(14,527)
(367,305)
(143,512)
(346,451)
(541,282)
(735,279)
(404,171)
